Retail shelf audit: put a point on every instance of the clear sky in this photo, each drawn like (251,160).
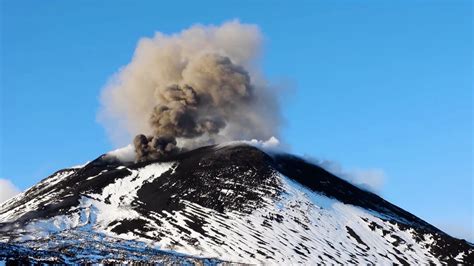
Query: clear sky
(385,86)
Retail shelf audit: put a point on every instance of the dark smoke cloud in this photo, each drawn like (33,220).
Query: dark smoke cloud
(197,87)
(153,147)
(221,89)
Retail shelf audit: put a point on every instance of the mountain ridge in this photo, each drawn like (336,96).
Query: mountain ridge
(205,203)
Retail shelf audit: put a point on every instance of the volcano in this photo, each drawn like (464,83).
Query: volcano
(213,205)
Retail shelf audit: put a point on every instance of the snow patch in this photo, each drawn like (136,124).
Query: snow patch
(98,211)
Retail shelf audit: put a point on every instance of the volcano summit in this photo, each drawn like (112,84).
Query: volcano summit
(215,204)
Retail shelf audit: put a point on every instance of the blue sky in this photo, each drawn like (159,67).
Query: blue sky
(385,86)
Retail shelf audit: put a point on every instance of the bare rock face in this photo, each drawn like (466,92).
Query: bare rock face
(214,205)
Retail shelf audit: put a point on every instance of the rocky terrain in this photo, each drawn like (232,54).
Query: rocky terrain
(212,205)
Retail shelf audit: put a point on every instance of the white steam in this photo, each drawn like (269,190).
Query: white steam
(370,179)
(7,190)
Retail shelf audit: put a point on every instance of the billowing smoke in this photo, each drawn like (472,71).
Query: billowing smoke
(153,147)
(200,86)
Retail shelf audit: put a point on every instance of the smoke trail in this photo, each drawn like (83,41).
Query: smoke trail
(197,87)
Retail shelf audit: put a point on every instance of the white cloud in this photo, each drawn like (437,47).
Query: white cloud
(371,179)
(7,190)
(458,230)
(270,145)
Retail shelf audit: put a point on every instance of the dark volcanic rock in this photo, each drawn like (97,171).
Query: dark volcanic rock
(236,203)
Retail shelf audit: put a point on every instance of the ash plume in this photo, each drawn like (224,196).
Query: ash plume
(153,147)
(200,86)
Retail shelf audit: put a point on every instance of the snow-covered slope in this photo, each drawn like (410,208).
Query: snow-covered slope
(215,204)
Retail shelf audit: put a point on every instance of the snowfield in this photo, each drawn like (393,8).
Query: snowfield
(135,211)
